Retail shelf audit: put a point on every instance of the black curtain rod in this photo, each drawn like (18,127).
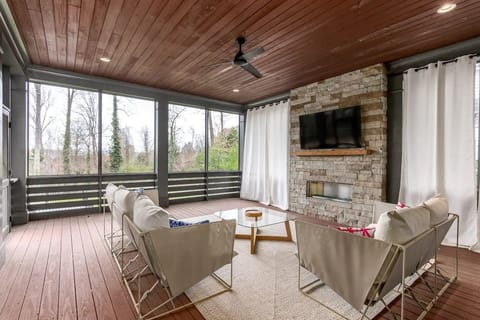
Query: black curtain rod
(443,62)
(270,104)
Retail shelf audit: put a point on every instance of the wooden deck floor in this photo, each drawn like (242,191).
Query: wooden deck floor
(61,269)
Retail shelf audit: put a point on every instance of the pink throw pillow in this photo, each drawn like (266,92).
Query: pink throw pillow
(401,205)
(362,231)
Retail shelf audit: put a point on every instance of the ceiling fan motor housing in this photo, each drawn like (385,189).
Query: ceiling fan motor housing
(239,60)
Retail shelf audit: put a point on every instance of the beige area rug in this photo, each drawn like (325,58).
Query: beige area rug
(265,287)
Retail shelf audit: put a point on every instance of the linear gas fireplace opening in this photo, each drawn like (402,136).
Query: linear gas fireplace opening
(330,190)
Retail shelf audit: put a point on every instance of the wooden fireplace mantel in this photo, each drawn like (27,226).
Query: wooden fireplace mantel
(332,152)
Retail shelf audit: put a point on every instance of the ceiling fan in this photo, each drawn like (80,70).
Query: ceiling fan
(242,60)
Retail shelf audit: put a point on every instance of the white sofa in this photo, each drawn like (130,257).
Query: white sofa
(363,270)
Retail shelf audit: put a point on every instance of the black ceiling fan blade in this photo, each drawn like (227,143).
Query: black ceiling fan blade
(248,67)
(252,54)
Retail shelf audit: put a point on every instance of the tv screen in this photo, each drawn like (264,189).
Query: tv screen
(340,128)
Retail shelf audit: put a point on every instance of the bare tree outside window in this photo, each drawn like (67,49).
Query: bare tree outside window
(186,143)
(128,134)
(67,136)
(40,120)
(144,157)
(87,113)
(64,132)
(223,148)
(63,126)
(174,115)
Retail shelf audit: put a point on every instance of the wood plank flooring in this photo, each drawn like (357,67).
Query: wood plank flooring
(61,269)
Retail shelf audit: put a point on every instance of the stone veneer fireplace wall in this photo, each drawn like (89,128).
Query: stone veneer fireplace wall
(366,173)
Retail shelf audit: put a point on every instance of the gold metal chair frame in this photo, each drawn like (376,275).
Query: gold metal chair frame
(141,297)
(115,239)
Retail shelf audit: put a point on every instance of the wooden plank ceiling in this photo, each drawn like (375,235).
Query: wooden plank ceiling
(179,45)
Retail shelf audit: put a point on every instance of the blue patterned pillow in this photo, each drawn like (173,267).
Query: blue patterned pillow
(177,223)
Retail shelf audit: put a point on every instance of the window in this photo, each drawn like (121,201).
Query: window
(223,141)
(186,139)
(128,134)
(63,130)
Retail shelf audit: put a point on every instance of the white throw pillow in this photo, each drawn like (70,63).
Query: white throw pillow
(438,207)
(380,207)
(125,200)
(109,194)
(152,194)
(147,216)
(402,225)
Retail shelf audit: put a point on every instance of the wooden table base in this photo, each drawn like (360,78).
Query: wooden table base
(254,236)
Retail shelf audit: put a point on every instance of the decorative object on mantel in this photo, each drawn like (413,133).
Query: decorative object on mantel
(253,213)
(332,152)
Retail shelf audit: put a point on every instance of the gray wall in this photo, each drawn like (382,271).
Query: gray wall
(394,136)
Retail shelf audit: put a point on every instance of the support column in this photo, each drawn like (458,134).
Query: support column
(162,151)
(19,117)
(241,138)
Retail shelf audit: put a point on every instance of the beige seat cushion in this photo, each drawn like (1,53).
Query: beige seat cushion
(147,216)
(125,200)
(402,225)
(438,207)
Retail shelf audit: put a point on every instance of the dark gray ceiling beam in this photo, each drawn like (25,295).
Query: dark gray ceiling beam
(67,78)
(9,29)
(270,100)
(471,46)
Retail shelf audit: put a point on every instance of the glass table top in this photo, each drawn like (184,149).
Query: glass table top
(269,217)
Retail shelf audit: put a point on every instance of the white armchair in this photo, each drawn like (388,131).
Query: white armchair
(363,270)
(179,258)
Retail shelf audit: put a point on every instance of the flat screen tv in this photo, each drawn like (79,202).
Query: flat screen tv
(340,128)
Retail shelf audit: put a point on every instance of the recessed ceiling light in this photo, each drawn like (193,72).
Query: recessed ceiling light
(236,90)
(447,7)
(105,59)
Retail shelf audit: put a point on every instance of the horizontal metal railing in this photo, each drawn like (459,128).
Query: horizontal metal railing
(68,195)
(197,186)
(65,195)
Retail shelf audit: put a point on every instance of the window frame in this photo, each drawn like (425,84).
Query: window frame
(154,140)
(207,116)
(207,169)
(100,142)
(28,149)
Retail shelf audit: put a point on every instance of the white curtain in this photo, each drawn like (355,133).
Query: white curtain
(438,141)
(265,158)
